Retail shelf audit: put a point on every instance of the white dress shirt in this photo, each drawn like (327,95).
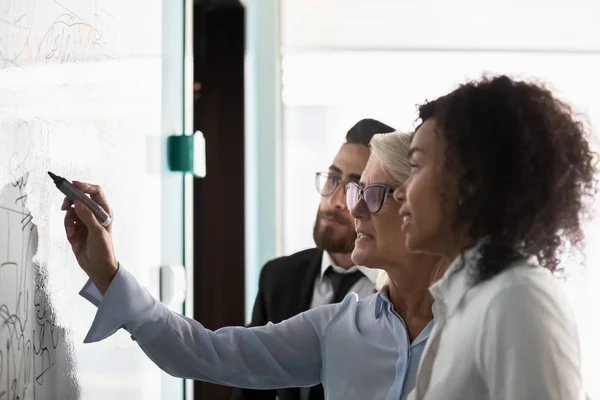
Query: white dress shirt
(323,290)
(512,337)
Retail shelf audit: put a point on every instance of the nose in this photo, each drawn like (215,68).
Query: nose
(400,193)
(337,199)
(359,211)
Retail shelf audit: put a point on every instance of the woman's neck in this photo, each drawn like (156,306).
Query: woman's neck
(409,294)
(409,290)
(454,248)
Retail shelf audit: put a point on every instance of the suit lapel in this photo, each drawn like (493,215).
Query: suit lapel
(304,285)
(305,281)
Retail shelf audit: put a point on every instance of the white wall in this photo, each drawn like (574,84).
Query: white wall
(441,24)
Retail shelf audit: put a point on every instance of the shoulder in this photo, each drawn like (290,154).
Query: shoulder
(527,320)
(525,277)
(352,307)
(526,291)
(350,315)
(282,265)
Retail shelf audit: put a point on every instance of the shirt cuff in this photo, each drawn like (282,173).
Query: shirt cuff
(91,293)
(126,304)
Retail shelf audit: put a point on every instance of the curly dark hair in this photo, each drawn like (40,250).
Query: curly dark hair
(525,169)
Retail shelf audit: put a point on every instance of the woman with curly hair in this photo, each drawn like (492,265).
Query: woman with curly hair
(501,175)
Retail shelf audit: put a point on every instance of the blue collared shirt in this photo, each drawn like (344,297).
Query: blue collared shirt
(357,349)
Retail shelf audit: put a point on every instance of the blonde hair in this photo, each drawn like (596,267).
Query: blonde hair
(391,149)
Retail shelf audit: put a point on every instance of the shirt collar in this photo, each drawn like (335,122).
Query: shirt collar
(449,291)
(383,301)
(371,273)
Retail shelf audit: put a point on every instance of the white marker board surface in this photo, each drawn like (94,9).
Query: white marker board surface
(81,96)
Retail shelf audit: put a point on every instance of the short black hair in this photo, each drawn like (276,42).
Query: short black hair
(527,171)
(363,131)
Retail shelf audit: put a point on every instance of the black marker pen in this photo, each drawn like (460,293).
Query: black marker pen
(73,194)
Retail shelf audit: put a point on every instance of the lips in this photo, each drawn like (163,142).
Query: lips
(362,235)
(406,216)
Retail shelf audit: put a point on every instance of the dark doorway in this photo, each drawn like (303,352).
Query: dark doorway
(219,197)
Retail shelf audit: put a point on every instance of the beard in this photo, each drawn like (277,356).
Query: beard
(330,239)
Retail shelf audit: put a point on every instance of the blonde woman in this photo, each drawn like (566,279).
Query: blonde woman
(367,349)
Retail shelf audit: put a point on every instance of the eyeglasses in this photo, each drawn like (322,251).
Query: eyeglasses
(373,195)
(326,183)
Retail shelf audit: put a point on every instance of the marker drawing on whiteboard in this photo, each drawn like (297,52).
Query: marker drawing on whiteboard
(73,194)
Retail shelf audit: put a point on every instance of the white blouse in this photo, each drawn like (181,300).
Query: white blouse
(512,337)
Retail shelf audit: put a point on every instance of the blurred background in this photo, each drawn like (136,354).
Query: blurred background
(312,68)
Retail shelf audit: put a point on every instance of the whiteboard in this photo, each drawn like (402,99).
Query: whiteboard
(81,96)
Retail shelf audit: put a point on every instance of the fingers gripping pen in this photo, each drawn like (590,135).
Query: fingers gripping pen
(73,194)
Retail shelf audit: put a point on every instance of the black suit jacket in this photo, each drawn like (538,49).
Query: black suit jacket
(285,288)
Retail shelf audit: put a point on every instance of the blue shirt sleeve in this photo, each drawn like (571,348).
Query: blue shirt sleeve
(287,354)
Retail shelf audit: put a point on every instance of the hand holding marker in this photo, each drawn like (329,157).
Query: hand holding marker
(73,194)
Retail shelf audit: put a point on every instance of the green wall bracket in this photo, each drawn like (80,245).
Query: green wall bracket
(186,153)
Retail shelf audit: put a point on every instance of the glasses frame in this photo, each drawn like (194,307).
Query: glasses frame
(361,195)
(327,175)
